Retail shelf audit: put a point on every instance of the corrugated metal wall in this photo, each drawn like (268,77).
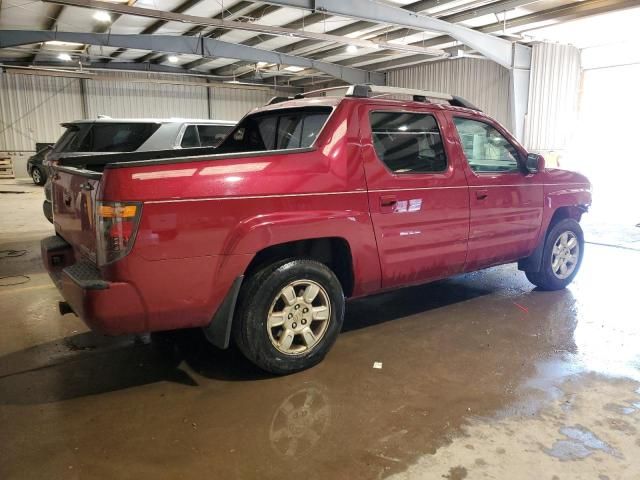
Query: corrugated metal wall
(484,83)
(32,108)
(233,103)
(118,98)
(553,97)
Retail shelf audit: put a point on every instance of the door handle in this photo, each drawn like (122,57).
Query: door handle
(388,200)
(482,194)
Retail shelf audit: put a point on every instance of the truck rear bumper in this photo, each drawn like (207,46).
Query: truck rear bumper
(111,308)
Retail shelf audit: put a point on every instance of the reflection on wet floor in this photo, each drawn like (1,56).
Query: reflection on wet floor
(473,357)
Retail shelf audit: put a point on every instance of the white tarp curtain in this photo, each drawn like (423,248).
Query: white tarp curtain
(553,97)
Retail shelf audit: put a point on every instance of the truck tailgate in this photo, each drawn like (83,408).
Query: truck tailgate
(74,200)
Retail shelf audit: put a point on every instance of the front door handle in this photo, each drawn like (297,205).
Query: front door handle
(482,194)
(388,200)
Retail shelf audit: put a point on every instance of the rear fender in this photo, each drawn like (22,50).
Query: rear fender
(263,231)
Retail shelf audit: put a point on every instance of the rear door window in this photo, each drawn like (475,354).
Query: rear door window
(408,142)
(212,135)
(114,137)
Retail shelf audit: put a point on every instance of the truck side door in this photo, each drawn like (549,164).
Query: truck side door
(418,196)
(506,203)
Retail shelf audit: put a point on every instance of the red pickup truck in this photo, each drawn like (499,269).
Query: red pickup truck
(307,202)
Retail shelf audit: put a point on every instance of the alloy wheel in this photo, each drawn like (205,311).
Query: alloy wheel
(565,255)
(299,317)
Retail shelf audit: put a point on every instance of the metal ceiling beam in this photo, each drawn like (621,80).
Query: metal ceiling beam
(299,47)
(461,16)
(234,25)
(256,12)
(497,49)
(206,47)
(155,26)
(93,72)
(318,17)
(563,13)
(51,24)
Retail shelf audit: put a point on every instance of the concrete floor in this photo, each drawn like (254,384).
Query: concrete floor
(482,377)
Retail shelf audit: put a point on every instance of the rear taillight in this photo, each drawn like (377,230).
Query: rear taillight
(116,227)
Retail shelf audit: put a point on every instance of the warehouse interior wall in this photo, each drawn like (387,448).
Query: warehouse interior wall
(32,107)
(483,82)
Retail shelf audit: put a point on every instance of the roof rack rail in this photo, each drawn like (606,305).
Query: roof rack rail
(277,99)
(366,91)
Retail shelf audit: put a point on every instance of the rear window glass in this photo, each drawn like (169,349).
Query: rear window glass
(213,135)
(69,138)
(106,137)
(277,130)
(190,138)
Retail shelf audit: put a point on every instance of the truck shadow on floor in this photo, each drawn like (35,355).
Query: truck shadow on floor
(90,364)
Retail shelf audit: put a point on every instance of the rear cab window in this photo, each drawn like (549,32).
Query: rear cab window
(282,129)
(408,142)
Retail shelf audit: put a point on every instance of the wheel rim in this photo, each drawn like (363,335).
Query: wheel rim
(565,255)
(299,317)
(36,175)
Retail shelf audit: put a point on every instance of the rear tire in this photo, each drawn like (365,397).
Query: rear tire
(38,176)
(289,315)
(561,258)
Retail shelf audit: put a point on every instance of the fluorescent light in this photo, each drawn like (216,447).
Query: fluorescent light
(261,64)
(102,16)
(173,59)
(294,69)
(58,43)
(352,49)
(65,57)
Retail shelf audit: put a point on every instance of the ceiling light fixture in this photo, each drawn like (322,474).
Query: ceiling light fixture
(65,57)
(58,43)
(261,64)
(352,49)
(294,69)
(173,59)
(102,16)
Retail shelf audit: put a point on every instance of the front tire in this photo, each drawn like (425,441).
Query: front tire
(38,176)
(289,315)
(561,258)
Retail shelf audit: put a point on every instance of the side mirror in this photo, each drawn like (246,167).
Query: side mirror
(534,163)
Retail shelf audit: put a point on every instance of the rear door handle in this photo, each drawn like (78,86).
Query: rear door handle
(482,194)
(388,200)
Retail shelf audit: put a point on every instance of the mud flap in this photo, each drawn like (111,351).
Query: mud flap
(533,263)
(218,332)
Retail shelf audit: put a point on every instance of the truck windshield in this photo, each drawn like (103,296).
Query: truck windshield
(276,130)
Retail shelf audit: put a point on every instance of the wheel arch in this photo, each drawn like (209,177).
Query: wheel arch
(334,252)
(533,262)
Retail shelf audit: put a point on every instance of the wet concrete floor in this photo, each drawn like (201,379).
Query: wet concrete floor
(482,377)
